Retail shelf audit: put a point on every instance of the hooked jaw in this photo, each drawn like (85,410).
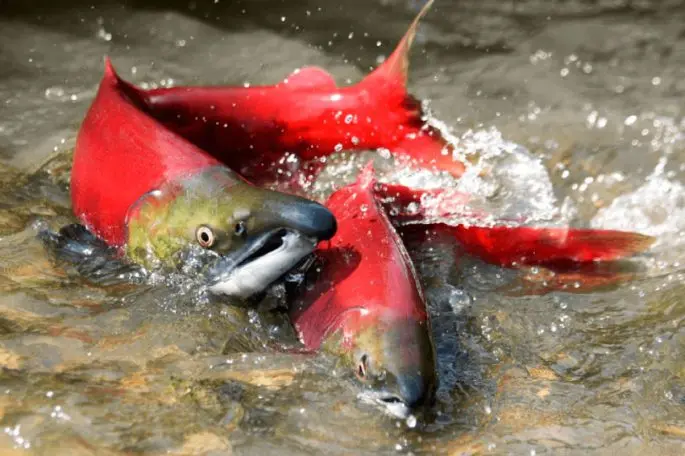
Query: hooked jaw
(298,226)
(401,375)
(241,238)
(261,261)
(302,215)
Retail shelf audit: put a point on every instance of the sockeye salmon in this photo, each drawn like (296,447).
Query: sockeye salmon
(366,305)
(164,202)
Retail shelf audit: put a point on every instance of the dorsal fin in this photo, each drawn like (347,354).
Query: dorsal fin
(396,67)
(309,77)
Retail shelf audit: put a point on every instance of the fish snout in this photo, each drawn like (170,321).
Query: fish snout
(305,216)
(402,374)
(413,390)
(402,394)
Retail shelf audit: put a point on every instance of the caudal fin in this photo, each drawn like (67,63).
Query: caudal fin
(396,67)
(509,246)
(415,140)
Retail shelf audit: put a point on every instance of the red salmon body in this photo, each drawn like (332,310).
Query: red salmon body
(307,114)
(367,274)
(366,303)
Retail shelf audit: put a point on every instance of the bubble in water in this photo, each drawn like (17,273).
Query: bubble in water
(54,93)
(104,34)
(59,414)
(459,300)
(15,435)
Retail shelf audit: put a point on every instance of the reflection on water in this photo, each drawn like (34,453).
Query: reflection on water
(530,362)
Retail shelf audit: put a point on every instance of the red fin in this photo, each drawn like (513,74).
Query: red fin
(308,78)
(396,67)
(508,246)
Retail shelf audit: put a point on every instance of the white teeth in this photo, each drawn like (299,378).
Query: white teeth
(255,276)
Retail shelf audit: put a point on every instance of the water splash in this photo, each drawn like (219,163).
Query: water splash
(656,208)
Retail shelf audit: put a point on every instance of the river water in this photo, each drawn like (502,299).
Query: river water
(575,110)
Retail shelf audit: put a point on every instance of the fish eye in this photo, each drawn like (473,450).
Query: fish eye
(362,368)
(205,236)
(240,229)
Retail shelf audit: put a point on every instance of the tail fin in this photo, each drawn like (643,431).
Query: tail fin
(416,140)
(396,68)
(522,245)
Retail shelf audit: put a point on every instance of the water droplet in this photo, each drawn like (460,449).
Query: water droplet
(54,93)
(104,35)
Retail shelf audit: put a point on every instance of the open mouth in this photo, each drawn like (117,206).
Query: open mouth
(387,402)
(257,264)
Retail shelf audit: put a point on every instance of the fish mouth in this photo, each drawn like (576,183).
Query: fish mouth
(388,402)
(258,263)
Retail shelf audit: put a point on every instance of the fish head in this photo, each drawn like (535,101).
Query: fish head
(393,358)
(239,237)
